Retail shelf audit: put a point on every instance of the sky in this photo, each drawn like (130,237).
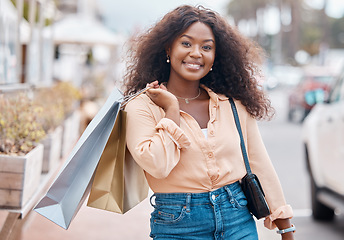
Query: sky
(130,15)
(126,15)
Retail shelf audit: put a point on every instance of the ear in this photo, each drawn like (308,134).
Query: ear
(168,51)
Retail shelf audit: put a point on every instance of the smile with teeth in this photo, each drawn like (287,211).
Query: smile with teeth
(194,66)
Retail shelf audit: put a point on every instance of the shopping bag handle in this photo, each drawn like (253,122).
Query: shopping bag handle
(130,97)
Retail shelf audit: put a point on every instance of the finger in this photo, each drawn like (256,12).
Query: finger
(154,91)
(149,94)
(162,86)
(152,84)
(155,83)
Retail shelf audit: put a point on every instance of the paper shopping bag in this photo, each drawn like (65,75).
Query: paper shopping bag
(108,185)
(135,183)
(70,188)
(119,183)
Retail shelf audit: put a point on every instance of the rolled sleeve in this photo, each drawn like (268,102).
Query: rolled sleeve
(174,132)
(154,142)
(280,213)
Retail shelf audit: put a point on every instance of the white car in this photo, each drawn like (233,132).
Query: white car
(323,136)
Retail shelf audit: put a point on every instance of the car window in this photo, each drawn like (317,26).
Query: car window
(338,90)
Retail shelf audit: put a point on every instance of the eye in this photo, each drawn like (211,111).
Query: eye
(207,48)
(186,44)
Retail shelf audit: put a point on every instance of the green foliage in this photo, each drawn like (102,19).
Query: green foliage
(25,121)
(246,9)
(311,39)
(57,103)
(47,21)
(338,33)
(68,95)
(20,124)
(52,108)
(309,29)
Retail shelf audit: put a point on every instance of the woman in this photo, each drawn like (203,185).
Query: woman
(182,131)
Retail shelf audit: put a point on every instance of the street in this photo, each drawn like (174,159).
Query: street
(284,144)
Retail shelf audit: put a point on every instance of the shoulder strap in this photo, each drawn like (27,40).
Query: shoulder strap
(242,142)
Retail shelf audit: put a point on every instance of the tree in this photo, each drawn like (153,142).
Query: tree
(246,9)
(309,29)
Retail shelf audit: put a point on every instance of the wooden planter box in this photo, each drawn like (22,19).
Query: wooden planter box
(52,149)
(70,133)
(19,177)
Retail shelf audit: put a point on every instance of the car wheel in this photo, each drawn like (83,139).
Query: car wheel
(320,211)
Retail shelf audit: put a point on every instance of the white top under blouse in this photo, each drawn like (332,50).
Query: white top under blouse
(205,132)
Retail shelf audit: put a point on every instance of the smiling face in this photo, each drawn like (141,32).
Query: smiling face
(192,53)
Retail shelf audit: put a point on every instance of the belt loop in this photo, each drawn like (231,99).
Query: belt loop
(188,202)
(230,195)
(150,200)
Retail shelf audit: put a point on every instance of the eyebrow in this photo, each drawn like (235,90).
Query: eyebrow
(206,40)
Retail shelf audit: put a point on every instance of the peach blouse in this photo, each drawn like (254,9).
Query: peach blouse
(181,159)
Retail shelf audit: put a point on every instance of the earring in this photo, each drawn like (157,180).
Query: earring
(168,59)
(211,69)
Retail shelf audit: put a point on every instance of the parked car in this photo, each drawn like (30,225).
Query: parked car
(314,85)
(323,137)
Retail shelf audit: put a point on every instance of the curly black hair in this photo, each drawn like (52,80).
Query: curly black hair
(236,67)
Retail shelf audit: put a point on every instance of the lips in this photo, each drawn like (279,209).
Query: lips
(193,66)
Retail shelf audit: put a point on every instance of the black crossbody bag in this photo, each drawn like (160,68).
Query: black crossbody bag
(250,184)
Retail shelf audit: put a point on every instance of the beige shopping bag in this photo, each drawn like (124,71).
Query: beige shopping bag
(119,183)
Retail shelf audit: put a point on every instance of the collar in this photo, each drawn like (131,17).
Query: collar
(214,96)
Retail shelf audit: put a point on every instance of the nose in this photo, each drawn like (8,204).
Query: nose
(195,52)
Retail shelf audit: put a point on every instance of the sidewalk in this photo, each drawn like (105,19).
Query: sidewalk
(94,224)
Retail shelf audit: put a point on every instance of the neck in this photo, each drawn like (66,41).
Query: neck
(189,90)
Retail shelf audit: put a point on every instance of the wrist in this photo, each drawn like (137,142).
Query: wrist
(290,229)
(173,113)
(287,236)
(173,107)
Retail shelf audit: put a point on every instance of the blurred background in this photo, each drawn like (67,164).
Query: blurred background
(63,57)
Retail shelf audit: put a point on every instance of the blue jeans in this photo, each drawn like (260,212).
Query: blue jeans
(220,214)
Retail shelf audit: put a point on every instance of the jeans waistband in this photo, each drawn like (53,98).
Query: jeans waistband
(227,191)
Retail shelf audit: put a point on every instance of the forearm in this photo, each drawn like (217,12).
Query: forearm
(284,224)
(173,113)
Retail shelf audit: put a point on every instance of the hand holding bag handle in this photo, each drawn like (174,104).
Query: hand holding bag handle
(250,184)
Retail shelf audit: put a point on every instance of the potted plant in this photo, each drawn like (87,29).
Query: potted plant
(52,117)
(70,98)
(20,152)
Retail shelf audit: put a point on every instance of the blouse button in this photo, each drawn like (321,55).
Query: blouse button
(211,132)
(210,155)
